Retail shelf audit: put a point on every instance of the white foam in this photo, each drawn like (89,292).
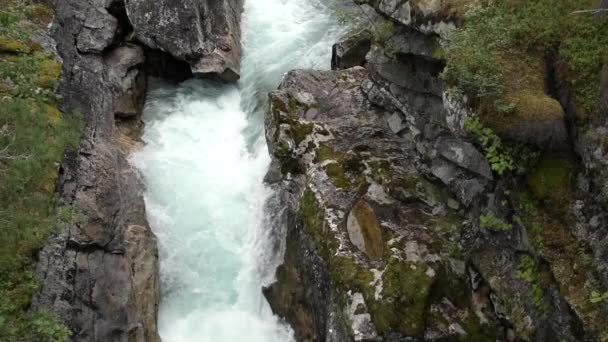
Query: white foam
(203,165)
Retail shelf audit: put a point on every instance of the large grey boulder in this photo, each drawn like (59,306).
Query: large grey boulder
(205,33)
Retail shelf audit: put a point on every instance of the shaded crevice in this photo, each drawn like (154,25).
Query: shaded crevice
(157,63)
(560,91)
(163,65)
(118,10)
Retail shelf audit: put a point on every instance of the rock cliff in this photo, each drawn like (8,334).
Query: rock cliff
(100,274)
(400,225)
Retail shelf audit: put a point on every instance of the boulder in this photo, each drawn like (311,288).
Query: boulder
(97,32)
(204,33)
(538,120)
(465,155)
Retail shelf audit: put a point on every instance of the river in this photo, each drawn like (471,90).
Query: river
(203,163)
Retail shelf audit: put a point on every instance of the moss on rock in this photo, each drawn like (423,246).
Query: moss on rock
(568,258)
(369,228)
(551,180)
(405,293)
(10,45)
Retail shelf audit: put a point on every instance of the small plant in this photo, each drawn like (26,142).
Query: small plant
(505,108)
(500,160)
(489,221)
(502,157)
(597,297)
(46,327)
(527,271)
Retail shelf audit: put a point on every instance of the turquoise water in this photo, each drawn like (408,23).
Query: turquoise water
(203,164)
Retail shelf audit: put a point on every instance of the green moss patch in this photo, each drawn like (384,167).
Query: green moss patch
(551,180)
(34,136)
(405,294)
(325,152)
(569,259)
(370,229)
(10,45)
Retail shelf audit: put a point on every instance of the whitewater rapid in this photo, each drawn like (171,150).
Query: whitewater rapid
(203,164)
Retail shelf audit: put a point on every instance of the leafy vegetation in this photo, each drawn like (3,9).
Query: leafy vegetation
(502,157)
(597,297)
(528,271)
(502,47)
(500,160)
(34,135)
(492,222)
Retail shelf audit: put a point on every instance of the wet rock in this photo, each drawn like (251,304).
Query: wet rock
(362,326)
(363,222)
(204,33)
(395,123)
(411,72)
(435,200)
(398,10)
(142,253)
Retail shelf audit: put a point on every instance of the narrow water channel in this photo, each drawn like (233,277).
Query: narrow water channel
(203,163)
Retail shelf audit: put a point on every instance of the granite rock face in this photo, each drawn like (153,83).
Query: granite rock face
(204,33)
(372,230)
(100,275)
(398,228)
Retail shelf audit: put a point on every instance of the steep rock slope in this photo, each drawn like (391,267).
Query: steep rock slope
(100,275)
(402,223)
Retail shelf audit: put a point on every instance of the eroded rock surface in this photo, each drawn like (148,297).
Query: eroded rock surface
(204,33)
(399,227)
(100,275)
(381,231)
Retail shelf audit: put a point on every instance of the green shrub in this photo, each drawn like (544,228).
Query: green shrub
(502,157)
(500,160)
(528,271)
(501,31)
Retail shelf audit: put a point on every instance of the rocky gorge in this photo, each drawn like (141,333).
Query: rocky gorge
(414,206)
